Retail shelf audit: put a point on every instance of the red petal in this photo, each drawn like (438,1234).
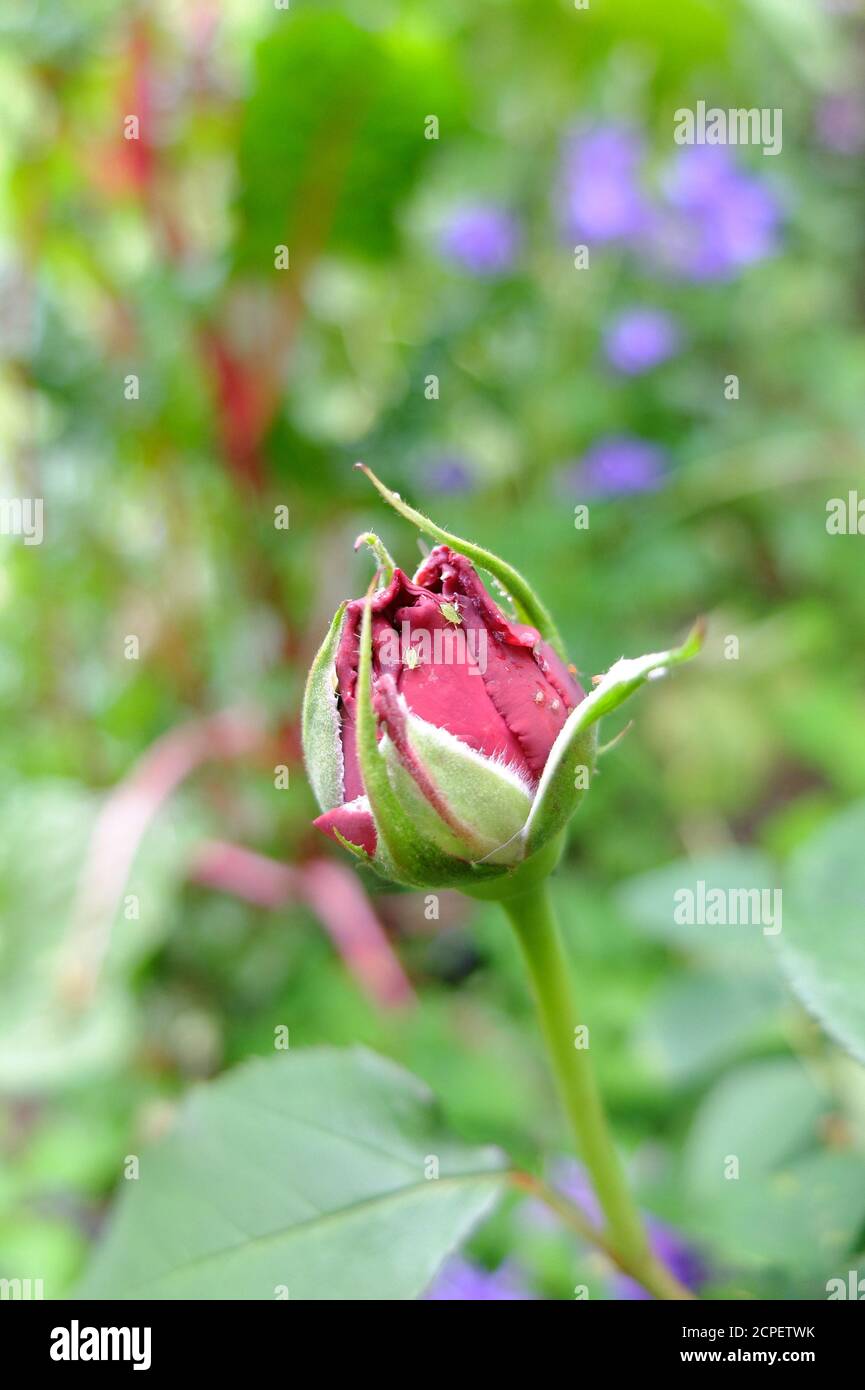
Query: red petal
(528,685)
(346,671)
(454,695)
(509,703)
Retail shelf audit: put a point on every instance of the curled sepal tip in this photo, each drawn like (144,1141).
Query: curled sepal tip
(357,850)
(565,776)
(385,561)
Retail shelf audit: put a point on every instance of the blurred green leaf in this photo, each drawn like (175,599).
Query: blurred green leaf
(788,1203)
(305,1173)
(45,830)
(700,1023)
(762,1114)
(649,901)
(333,135)
(822,946)
(801,1217)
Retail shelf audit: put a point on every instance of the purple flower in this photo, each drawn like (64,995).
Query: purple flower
(840,122)
(482,238)
(600,198)
(710,219)
(671,1248)
(448,473)
(463,1282)
(718,219)
(572,1181)
(640,339)
(615,465)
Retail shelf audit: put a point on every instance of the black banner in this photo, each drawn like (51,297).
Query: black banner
(146,1338)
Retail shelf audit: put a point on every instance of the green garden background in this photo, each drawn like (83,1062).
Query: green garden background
(189,407)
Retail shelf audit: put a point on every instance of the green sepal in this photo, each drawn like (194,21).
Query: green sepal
(322,744)
(491,803)
(524,877)
(357,850)
(529,607)
(557,796)
(385,560)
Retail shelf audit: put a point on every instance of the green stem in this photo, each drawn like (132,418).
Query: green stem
(533,919)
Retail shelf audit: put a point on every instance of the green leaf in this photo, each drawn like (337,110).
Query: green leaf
(804,37)
(764,1113)
(558,794)
(792,1204)
(306,1173)
(699,1022)
(322,745)
(529,607)
(822,945)
(649,901)
(803,1217)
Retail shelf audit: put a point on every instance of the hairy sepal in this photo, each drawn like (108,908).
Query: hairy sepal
(528,606)
(486,796)
(322,742)
(560,790)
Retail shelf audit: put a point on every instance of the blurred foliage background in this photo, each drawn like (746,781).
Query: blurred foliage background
(166,388)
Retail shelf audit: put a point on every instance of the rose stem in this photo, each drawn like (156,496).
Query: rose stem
(534,921)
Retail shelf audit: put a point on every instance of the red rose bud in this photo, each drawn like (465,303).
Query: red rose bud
(444,740)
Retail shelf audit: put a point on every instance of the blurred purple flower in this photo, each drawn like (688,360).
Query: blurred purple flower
(679,1256)
(615,465)
(482,238)
(600,198)
(640,339)
(572,1180)
(448,473)
(711,218)
(840,122)
(674,1251)
(463,1282)
(719,218)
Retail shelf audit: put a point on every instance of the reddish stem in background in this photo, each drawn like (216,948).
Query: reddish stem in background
(246,399)
(122,822)
(331,891)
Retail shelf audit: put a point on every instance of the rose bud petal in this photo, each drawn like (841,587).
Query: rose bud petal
(441,735)
(468,706)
